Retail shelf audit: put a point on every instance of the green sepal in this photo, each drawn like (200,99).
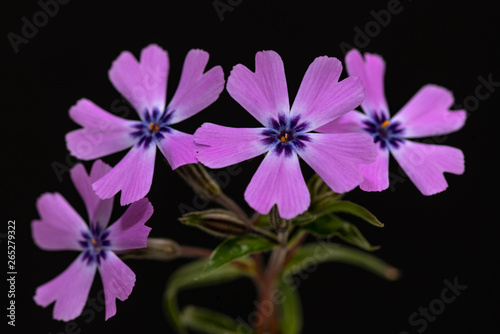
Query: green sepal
(235,248)
(316,253)
(319,189)
(333,226)
(207,321)
(304,218)
(189,276)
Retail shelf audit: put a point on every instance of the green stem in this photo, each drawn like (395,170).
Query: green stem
(231,205)
(267,306)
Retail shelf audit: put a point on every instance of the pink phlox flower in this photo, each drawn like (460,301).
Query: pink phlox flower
(61,228)
(144,84)
(427,114)
(288,133)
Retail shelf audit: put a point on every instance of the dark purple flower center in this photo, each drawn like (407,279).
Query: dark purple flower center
(154,126)
(95,243)
(286,134)
(386,133)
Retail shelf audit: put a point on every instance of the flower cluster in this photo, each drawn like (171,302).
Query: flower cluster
(345,147)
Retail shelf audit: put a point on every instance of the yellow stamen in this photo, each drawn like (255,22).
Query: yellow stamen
(385,123)
(93,241)
(284,138)
(153,127)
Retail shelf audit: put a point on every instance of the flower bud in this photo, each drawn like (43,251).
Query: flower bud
(157,249)
(198,178)
(218,222)
(277,223)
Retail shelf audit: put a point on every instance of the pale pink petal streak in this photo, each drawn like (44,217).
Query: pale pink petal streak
(142,84)
(129,231)
(278,180)
(59,226)
(98,210)
(262,93)
(126,76)
(425,164)
(133,175)
(118,280)
(350,122)
(69,290)
(376,174)
(154,67)
(102,133)
(321,98)
(197,90)
(178,148)
(335,156)
(371,71)
(220,146)
(428,113)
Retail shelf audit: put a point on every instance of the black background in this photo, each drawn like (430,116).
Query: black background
(452,235)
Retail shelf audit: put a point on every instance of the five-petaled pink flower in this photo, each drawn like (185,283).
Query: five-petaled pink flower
(426,114)
(61,228)
(144,85)
(287,133)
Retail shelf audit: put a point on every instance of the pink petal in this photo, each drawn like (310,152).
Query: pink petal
(142,84)
(133,175)
(118,280)
(321,98)
(350,122)
(178,147)
(129,231)
(196,90)
(428,114)
(376,174)
(278,180)
(59,227)
(69,290)
(371,71)
(335,156)
(425,164)
(154,67)
(264,93)
(98,210)
(224,146)
(102,133)
(104,207)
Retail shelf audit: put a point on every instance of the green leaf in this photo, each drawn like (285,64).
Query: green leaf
(290,309)
(315,253)
(329,205)
(188,276)
(331,226)
(234,248)
(209,322)
(304,218)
